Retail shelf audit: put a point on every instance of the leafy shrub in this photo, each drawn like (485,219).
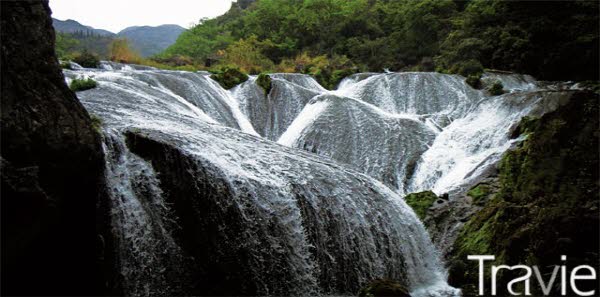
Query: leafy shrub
(229,77)
(87,59)
(496,89)
(82,84)
(474,81)
(121,52)
(264,81)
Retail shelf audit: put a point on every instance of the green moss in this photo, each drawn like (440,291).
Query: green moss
(478,193)
(264,81)
(421,202)
(496,89)
(383,287)
(474,81)
(96,123)
(550,182)
(229,77)
(82,84)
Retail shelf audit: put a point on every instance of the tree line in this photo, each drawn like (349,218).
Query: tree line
(551,40)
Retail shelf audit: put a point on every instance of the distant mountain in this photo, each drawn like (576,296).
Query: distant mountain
(151,40)
(72,26)
(146,40)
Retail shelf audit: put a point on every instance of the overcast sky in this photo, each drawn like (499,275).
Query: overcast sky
(116,15)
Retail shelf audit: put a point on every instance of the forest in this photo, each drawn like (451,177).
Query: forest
(330,39)
(549,40)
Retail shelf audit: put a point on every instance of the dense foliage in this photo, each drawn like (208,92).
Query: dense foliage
(550,40)
(86,59)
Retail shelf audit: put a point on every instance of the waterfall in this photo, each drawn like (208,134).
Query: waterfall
(149,260)
(205,202)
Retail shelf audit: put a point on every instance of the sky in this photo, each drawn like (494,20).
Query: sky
(116,15)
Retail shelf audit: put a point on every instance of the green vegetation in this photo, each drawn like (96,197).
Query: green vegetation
(496,89)
(421,202)
(383,287)
(86,59)
(550,40)
(65,65)
(82,84)
(474,81)
(264,81)
(478,193)
(229,77)
(65,45)
(547,203)
(96,123)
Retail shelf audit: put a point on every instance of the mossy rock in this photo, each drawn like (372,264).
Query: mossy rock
(383,287)
(229,77)
(264,81)
(479,193)
(474,81)
(421,202)
(96,123)
(547,202)
(82,84)
(496,89)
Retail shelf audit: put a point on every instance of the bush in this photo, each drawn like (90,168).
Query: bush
(474,81)
(82,84)
(496,89)
(229,77)
(87,59)
(466,68)
(264,81)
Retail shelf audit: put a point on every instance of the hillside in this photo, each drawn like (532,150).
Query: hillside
(146,40)
(149,40)
(549,40)
(72,26)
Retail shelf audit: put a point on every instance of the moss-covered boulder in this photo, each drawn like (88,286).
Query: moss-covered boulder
(496,89)
(383,287)
(229,77)
(82,84)
(474,81)
(264,81)
(547,202)
(421,202)
(479,193)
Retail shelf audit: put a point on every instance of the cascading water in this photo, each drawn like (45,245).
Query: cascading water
(200,207)
(449,135)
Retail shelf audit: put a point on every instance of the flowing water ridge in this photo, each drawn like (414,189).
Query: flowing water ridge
(204,202)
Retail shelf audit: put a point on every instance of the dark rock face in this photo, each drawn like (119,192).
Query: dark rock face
(51,164)
(544,203)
